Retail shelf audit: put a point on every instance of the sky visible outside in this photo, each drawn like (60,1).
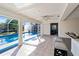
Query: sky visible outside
(3,19)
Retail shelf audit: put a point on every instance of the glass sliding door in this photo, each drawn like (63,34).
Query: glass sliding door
(31,30)
(36,28)
(8,33)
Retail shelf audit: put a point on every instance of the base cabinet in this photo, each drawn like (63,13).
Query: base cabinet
(75,47)
(67,41)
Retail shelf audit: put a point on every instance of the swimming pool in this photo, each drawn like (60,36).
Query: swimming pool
(12,37)
(10,41)
(8,38)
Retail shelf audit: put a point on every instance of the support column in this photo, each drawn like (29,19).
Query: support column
(41,30)
(20,32)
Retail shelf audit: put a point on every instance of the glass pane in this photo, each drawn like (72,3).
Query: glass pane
(31,31)
(8,33)
(53,27)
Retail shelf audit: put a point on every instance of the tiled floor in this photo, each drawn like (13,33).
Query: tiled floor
(41,47)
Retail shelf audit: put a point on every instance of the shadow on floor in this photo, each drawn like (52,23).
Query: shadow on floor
(16,51)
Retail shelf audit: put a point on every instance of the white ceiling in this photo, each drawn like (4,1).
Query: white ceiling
(37,10)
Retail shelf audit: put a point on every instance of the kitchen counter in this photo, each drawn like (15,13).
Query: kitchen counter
(72,35)
(74,43)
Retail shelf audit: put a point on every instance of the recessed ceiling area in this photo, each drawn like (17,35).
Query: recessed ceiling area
(37,11)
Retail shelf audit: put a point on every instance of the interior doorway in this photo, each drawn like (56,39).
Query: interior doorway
(54,29)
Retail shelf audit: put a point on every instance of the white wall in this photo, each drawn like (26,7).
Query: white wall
(45,26)
(68,26)
(46,29)
(71,24)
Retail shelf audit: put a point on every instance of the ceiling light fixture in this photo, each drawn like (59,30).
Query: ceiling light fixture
(48,17)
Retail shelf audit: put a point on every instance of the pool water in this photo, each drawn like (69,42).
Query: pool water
(10,39)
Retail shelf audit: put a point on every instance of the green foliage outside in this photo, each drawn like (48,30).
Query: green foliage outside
(11,27)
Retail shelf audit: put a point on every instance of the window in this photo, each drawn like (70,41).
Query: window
(8,33)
